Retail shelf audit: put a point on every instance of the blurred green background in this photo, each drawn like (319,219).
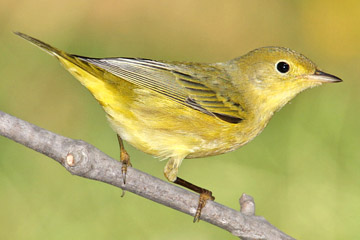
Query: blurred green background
(303,170)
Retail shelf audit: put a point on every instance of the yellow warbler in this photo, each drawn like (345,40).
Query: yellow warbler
(178,110)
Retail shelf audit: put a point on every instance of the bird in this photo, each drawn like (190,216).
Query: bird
(182,110)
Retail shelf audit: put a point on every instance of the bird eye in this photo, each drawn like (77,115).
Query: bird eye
(282,66)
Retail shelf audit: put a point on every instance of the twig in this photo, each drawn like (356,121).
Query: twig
(84,160)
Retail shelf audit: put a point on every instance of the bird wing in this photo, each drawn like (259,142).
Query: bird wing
(172,81)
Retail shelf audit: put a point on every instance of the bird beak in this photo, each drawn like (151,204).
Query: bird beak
(322,77)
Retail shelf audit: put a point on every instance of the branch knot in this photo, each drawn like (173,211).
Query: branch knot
(77,160)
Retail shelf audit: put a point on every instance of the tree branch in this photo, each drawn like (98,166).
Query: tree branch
(84,160)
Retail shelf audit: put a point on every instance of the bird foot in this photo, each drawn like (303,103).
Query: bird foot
(204,197)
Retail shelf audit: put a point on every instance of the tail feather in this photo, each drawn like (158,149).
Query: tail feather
(44,46)
(71,62)
(90,75)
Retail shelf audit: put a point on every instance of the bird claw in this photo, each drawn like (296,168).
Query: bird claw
(204,197)
(125,159)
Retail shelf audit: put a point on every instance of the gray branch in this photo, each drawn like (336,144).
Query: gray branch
(84,160)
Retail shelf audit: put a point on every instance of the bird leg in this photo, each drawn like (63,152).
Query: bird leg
(124,158)
(171,171)
(204,195)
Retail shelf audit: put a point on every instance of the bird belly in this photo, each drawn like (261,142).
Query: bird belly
(161,127)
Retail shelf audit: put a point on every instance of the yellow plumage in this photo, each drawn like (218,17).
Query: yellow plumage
(177,110)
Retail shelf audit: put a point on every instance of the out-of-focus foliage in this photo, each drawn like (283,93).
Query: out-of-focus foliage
(303,170)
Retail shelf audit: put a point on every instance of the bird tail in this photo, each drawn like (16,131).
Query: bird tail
(69,61)
(94,78)
(44,46)
(88,74)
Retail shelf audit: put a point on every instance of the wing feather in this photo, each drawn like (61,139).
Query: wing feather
(166,79)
